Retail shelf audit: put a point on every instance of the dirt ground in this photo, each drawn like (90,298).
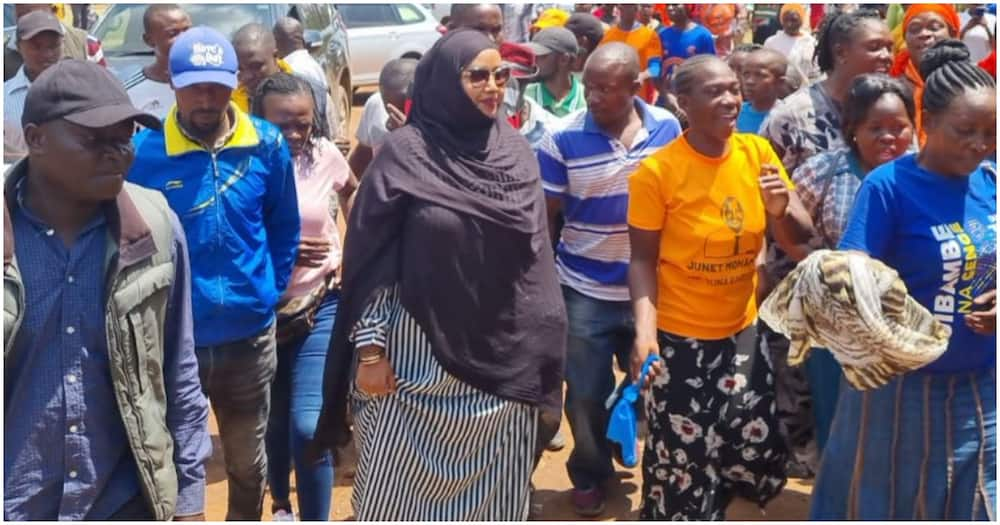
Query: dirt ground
(552,487)
(551,481)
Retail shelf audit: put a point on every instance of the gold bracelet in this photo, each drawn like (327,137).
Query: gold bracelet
(370,360)
(369,352)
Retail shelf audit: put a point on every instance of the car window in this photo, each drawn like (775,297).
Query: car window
(313,16)
(367,15)
(409,14)
(116,30)
(8,15)
(120,32)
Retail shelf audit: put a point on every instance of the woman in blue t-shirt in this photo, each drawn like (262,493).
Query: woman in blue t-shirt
(924,446)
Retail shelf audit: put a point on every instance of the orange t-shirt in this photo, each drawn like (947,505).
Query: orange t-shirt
(711,219)
(647,43)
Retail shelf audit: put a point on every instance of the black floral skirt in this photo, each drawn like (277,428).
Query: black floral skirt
(713,430)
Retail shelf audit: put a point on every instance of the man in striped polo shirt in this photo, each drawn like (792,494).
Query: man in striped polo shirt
(585,167)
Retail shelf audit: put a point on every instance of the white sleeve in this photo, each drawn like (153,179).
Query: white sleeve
(372,125)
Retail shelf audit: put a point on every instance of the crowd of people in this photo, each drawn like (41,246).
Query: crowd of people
(523,216)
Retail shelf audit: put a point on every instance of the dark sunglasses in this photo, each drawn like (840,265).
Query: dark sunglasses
(479,76)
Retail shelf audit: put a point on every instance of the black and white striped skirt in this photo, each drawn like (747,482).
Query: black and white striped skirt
(438,449)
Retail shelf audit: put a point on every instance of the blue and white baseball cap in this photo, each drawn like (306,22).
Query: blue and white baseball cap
(203,55)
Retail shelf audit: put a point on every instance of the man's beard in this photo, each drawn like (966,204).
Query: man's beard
(201,130)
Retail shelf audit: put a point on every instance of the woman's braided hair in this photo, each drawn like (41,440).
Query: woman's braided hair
(949,73)
(286,84)
(836,29)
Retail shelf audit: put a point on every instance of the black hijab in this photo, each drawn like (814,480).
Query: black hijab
(452,211)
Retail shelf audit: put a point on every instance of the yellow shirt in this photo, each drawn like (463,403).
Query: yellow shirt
(241,97)
(711,219)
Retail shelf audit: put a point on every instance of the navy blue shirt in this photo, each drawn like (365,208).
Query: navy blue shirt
(66,454)
(939,233)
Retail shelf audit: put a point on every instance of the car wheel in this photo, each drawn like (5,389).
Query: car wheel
(342,100)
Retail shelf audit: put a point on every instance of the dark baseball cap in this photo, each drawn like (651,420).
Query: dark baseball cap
(554,40)
(586,24)
(83,93)
(35,22)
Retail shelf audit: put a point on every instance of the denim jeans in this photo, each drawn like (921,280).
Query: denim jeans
(296,399)
(236,378)
(599,331)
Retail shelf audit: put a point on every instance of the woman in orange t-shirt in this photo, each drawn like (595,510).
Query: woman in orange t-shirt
(698,209)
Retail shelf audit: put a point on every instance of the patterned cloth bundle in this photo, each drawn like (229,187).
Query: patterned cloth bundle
(859,309)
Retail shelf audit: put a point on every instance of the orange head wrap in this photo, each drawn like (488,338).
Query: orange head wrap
(794,8)
(903,66)
(945,11)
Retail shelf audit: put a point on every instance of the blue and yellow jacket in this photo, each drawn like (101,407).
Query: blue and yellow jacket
(240,214)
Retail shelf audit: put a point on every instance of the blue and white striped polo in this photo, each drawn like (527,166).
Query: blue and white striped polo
(589,171)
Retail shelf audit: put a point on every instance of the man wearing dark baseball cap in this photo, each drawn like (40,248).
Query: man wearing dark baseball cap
(230,176)
(38,38)
(557,90)
(76,42)
(104,416)
(589,31)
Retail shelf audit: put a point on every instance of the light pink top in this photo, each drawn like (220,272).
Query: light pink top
(318,177)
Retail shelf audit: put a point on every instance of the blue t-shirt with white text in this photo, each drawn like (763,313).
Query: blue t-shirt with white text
(939,233)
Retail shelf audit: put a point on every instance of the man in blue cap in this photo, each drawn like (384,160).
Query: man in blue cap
(229,177)
(104,418)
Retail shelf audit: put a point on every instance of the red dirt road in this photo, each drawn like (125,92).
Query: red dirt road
(552,490)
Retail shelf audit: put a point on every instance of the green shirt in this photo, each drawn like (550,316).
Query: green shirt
(574,101)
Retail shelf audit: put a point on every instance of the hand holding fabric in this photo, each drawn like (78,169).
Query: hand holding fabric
(641,350)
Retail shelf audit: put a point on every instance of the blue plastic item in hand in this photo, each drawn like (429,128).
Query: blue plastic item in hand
(622,427)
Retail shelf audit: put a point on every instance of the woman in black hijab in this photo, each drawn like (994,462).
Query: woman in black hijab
(452,331)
